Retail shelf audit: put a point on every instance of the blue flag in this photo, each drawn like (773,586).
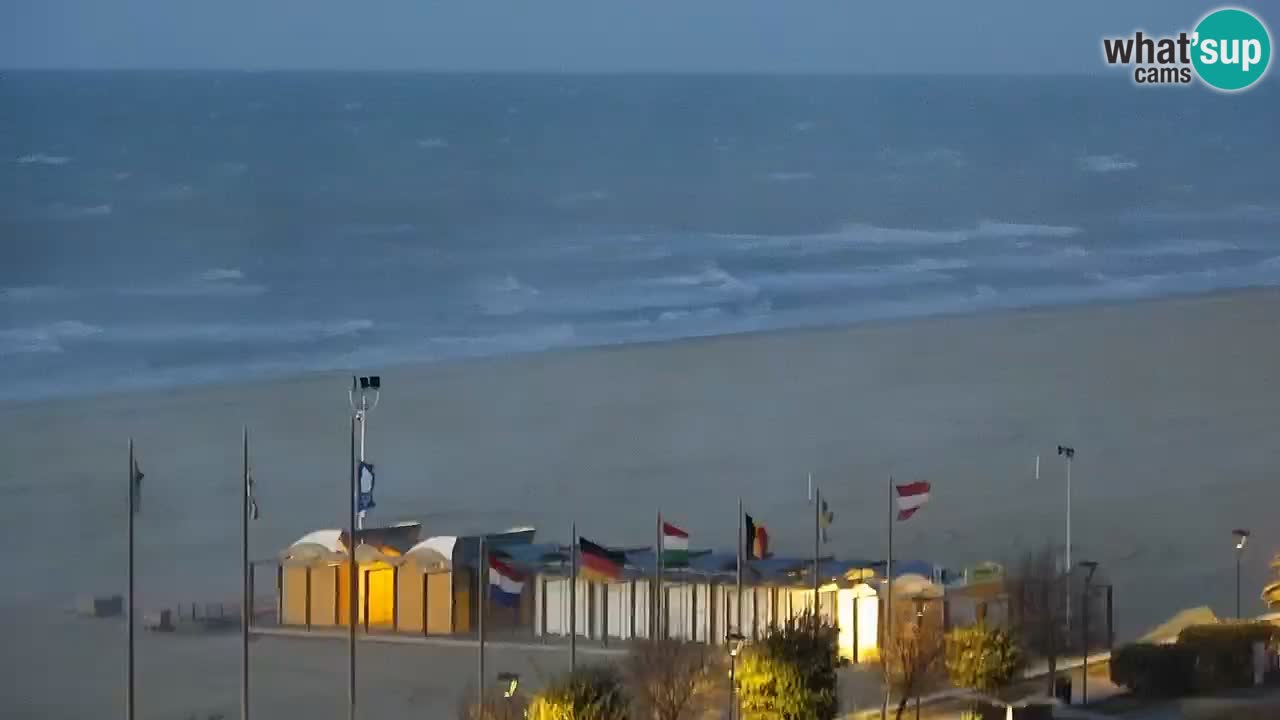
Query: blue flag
(365,501)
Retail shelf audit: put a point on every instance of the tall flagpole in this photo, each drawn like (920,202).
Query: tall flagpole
(738,627)
(245,600)
(658,614)
(353,586)
(573,598)
(481,587)
(129,689)
(817,530)
(888,573)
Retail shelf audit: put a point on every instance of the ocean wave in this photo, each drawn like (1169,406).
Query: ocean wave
(581,198)
(711,277)
(212,283)
(1179,248)
(1235,213)
(690,315)
(923,158)
(42,159)
(1107,163)
(216,275)
(44,338)
(295,333)
(914,272)
(859,234)
(33,293)
(803,125)
(506,296)
(75,212)
(431,143)
(788,176)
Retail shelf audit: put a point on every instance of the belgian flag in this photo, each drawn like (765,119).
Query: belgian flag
(597,563)
(756,540)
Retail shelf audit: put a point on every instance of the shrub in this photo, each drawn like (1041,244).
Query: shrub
(587,693)
(672,679)
(791,673)
(1224,653)
(1154,670)
(981,659)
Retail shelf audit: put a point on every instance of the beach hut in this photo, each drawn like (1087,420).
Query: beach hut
(314,585)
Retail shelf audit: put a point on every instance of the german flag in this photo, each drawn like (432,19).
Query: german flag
(597,563)
(756,542)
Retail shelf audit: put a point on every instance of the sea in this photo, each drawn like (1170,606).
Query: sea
(171,228)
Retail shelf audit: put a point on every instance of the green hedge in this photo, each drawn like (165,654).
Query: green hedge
(1154,670)
(1224,653)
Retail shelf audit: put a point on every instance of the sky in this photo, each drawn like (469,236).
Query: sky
(821,36)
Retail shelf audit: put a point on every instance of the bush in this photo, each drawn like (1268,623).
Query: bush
(673,679)
(981,659)
(1224,653)
(1154,670)
(791,673)
(587,693)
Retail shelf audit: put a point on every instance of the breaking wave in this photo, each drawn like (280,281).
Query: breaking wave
(45,338)
(1107,163)
(42,159)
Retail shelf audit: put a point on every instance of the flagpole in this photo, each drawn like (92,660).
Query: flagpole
(481,587)
(245,617)
(657,582)
(573,598)
(353,587)
(129,689)
(738,627)
(817,522)
(888,573)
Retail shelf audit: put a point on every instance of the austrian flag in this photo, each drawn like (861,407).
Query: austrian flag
(911,497)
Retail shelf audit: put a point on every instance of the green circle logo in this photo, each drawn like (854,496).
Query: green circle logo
(1232,49)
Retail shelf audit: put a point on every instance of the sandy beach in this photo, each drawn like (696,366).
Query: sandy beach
(1170,405)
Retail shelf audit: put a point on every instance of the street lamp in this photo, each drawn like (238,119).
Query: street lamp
(362,389)
(1242,537)
(735,642)
(1092,567)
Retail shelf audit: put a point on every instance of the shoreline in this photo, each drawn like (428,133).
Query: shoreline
(1048,312)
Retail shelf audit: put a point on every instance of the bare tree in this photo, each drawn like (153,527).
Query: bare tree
(912,660)
(672,679)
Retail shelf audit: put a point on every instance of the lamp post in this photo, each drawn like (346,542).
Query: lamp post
(1092,567)
(1069,453)
(362,388)
(1242,538)
(734,641)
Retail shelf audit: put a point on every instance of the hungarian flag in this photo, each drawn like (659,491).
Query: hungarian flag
(506,584)
(675,546)
(597,563)
(911,497)
(756,540)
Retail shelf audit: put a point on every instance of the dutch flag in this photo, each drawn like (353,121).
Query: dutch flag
(505,583)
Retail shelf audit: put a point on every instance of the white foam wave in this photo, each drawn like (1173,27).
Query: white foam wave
(580,198)
(858,234)
(432,143)
(803,126)
(1179,248)
(916,272)
(923,158)
(73,212)
(788,176)
(1107,163)
(352,106)
(711,277)
(212,283)
(506,296)
(32,293)
(44,338)
(223,333)
(221,275)
(121,176)
(42,159)
(690,315)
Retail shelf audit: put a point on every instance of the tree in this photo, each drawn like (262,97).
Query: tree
(1038,594)
(982,659)
(672,679)
(587,693)
(791,673)
(911,660)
